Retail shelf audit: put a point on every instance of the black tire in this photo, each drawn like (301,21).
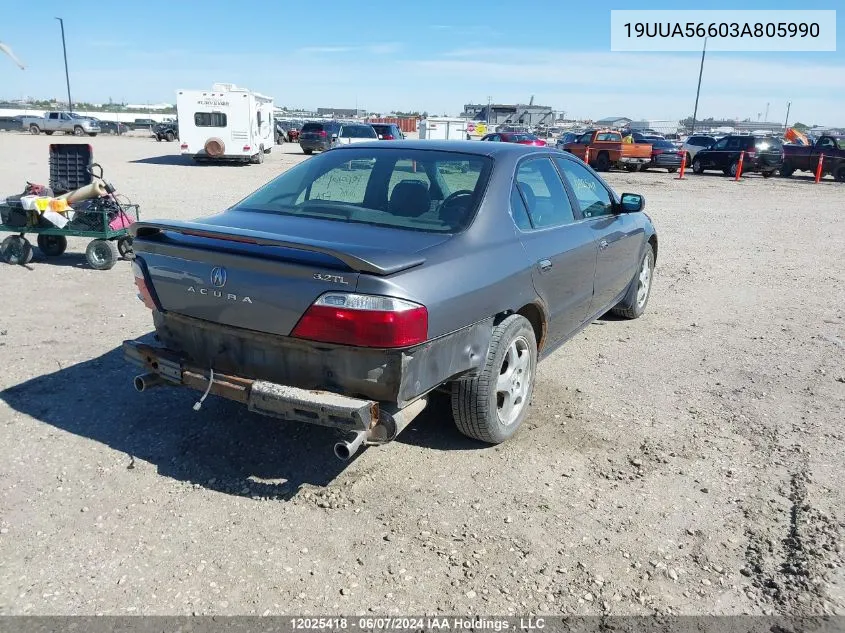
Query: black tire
(603,162)
(92,134)
(697,167)
(78,131)
(671,170)
(124,247)
(307,151)
(101,254)
(768,174)
(633,305)
(170,136)
(52,245)
(786,170)
(840,174)
(49,132)
(475,401)
(634,167)
(158,138)
(259,157)
(34,129)
(16,250)
(731,171)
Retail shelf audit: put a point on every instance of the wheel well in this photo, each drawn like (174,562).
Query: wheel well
(535,317)
(653,241)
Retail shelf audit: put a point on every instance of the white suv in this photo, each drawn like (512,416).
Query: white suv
(695,143)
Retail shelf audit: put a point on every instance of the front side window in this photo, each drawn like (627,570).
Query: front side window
(723,144)
(210,119)
(593,198)
(420,190)
(544,194)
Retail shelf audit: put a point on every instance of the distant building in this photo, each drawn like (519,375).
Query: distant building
(344,113)
(613,122)
(516,114)
(149,106)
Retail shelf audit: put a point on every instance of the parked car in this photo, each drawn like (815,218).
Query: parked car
(344,296)
(287,132)
(664,155)
(695,143)
(67,122)
(111,127)
(388,131)
(566,137)
(141,124)
(806,158)
(763,154)
(166,131)
(521,138)
(321,136)
(11,123)
(607,150)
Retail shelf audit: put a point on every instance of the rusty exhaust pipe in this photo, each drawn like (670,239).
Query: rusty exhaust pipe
(345,450)
(146,381)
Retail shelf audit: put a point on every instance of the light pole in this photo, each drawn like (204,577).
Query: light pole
(67,75)
(698,90)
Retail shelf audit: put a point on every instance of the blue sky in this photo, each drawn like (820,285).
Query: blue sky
(431,55)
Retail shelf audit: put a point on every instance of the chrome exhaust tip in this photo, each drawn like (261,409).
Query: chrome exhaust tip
(345,450)
(146,381)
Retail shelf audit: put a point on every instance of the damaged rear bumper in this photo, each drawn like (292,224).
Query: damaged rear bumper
(379,423)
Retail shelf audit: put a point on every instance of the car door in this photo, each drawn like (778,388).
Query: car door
(619,236)
(712,158)
(561,248)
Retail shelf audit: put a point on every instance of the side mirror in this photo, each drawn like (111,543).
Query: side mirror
(334,137)
(632,202)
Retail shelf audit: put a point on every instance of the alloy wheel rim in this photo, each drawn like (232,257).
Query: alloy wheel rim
(513,381)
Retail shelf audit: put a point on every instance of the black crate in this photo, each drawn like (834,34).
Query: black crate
(69,166)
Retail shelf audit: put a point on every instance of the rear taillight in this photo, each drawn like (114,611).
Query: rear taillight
(247,148)
(184,146)
(388,137)
(321,133)
(363,321)
(751,152)
(144,293)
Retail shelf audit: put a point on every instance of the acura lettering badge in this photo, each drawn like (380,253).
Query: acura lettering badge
(218,276)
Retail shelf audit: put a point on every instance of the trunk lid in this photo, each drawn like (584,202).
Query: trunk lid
(262,271)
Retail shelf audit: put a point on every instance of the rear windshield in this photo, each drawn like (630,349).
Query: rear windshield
(358,131)
(663,145)
(312,127)
(419,190)
(770,142)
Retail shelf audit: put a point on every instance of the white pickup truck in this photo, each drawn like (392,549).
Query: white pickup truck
(66,122)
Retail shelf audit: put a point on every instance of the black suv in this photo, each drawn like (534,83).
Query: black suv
(763,154)
(317,135)
(388,131)
(168,131)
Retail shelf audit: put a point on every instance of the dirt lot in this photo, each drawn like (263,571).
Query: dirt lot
(687,462)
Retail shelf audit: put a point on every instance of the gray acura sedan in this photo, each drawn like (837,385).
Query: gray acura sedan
(350,287)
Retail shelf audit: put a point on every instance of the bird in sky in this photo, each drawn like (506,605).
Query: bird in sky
(6,49)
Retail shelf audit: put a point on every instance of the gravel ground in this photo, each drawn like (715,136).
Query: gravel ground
(689,462)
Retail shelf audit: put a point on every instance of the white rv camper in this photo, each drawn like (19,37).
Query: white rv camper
(225,123)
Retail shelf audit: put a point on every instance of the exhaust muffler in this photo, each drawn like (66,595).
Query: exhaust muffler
(345,450)
(146,381)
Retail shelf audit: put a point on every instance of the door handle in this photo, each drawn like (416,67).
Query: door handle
(603,244)
(545,265)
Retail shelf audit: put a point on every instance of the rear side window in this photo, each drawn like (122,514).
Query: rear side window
(358,131)
(210,119)
(544,194)
(518,210)
(592,196)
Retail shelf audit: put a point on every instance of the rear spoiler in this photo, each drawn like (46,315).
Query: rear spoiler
(360,259)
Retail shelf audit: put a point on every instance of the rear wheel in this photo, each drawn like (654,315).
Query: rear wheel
(603,162)
(635,301)
(768,174)
(16,250)
(52,245)
(491,406)
(307,151)
(671,170)
(170,136)
(124,247)
(697,167)
(840,173)
(34,129)
(101,254)
(731,171)
(78,131)
(49,132)
(787,170)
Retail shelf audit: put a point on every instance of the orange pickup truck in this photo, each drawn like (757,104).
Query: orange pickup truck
(607,150)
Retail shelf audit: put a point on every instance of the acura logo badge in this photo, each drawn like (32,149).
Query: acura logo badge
(218,276)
